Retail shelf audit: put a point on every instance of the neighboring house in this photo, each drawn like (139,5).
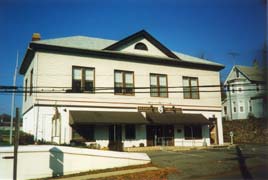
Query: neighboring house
(134,91)
(245,94)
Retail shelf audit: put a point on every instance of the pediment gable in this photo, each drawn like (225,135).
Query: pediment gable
(142,43)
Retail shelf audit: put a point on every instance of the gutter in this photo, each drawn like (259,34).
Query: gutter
(33,47)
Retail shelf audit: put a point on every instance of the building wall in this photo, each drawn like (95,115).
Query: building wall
(47,73)
(181,141)
(243,99)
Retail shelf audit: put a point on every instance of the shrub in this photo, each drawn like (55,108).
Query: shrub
(78,143)
(141,145)
(26,138)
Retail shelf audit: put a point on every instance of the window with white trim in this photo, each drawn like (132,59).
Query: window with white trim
(83,80)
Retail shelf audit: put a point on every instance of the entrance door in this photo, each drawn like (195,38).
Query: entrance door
(115,138)
(160,135)
(115,133)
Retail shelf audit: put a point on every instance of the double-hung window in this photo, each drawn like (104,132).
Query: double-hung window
(83,80)
(158,85)
(124,82)
(193,132)
(190,88)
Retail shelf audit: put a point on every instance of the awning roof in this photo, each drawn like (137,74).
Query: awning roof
(177,118)
(106,117)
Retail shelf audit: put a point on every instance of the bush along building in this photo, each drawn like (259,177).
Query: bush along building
(134,91)
(246,95)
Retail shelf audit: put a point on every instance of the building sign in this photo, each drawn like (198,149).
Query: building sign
(156,109)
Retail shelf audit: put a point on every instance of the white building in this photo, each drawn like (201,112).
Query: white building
(131,91)
(246,96)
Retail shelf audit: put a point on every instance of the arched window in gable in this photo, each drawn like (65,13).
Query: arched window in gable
(141,46)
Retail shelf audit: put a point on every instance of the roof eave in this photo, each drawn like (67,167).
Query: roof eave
(168,61)
(26,61)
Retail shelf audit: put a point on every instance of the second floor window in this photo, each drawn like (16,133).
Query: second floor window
(83,80)
(190,88)
(158,85)
(124,82)
(31,82)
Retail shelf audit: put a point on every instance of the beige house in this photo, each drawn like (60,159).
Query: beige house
(135,91)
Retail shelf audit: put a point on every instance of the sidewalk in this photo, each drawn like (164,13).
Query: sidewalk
(109,174)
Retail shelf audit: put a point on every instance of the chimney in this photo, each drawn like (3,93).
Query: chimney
(36,37)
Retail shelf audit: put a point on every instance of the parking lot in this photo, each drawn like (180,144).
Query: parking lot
(237,162)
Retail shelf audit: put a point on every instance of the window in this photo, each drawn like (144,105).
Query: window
(257,87)
(190,88)
(130,132)
(31,82)
(233,89)
(241,106)
(25,90)
(225,109)
(234,107)
(141,46)
(55,127)
(249,106)
(83,80)
(193,132)
(158,85)
(124,82)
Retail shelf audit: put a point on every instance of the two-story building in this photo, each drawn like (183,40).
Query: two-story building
(134,90)
(246,94)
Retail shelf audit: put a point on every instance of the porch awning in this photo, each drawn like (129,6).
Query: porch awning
(177,118)
(106,117)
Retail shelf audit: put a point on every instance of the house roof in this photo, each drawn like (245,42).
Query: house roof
(98,46)
(146,35)
(252,73)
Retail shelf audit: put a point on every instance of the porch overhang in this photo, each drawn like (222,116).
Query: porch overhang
(105,118)
(177,118)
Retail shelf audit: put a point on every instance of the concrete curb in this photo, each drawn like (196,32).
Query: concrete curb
(109,174)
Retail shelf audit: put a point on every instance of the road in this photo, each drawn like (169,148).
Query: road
(240,162)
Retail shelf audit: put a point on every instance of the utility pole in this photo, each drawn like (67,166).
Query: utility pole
(13,100)
(16,144)
(234,55)
(230,99)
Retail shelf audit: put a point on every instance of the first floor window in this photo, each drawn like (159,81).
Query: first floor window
(249,106)
(124,82)
(130,132)
(193,132)
(225,109)
(158,85)
(83,79)
(241,106)
(56,127)
(234,107)
(190,88)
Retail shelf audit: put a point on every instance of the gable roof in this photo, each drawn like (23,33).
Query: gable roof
(147,36)
(251,73)
(103,47)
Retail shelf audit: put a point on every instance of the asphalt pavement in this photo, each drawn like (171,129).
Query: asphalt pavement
(236,162)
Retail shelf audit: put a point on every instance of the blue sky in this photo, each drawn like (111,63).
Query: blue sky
(210,27)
